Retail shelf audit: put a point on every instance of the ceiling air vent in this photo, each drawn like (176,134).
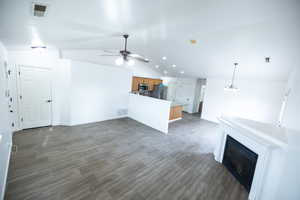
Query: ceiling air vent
(39,10)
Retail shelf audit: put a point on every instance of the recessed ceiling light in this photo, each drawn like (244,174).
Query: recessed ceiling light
(165,71)
(173,66)
(164,58)
(181,72)
(156,66)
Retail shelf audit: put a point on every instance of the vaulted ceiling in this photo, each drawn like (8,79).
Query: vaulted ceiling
(226,32)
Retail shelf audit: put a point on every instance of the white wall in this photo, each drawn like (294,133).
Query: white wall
(150,111)
(5,134)
(291,116)
(182,90)
(144,70)
(61,92)
(93,56)
(98,92)
(256,100)
(70,79)
(3,86)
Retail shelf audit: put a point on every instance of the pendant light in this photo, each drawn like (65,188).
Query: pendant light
(231,86)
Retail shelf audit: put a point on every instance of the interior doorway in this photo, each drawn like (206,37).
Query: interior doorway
(199,97)
(35,99)
(201,100)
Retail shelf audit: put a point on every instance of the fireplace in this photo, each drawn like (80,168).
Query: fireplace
(240,161)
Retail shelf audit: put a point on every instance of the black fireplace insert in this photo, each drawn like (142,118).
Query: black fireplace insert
(240,161)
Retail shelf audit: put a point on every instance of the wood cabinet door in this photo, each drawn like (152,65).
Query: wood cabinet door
(151,84)
(146,81)
(157,82)
(135,83)
(175,112)
(149,81)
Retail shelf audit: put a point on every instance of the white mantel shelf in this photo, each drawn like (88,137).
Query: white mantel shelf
(277,173)
(273,135)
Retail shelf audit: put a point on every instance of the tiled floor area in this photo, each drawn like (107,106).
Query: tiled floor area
(120,159)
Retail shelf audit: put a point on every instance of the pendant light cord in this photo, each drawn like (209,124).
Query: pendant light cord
(234,71)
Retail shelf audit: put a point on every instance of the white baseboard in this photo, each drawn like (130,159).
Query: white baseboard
(89,122)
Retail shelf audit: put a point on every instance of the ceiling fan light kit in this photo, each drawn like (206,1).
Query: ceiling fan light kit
(127,56)
(130,62)
(119,61)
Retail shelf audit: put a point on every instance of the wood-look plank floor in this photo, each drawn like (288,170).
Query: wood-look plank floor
(120,160)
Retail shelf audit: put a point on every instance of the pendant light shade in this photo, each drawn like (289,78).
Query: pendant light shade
(232,86)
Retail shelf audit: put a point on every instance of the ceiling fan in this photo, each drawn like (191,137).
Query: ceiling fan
(126,56)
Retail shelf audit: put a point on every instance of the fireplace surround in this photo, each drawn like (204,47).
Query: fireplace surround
(276,172)
(240,161)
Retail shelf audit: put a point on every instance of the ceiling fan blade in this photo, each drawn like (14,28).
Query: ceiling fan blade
(109,55)
(139,57)
(111,51)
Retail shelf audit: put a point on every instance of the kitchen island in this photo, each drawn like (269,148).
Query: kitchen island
(150,111)
(153,112)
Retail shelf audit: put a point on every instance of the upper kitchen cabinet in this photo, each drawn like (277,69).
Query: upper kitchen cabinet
(150,82)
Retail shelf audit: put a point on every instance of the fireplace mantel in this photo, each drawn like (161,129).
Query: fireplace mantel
(277,173)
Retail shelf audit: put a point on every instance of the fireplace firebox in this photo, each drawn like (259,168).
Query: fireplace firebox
(240,161)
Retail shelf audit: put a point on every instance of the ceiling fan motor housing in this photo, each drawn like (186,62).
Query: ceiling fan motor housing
(125,53)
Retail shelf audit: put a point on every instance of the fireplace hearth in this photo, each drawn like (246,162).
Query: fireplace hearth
(240,161)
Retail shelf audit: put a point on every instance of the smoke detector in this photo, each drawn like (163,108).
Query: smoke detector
(39,9)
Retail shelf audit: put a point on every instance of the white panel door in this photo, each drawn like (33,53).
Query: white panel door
(35,97)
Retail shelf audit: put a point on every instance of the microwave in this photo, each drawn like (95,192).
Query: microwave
(143,87)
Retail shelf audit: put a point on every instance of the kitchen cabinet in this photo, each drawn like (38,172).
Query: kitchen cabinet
(157,81)
(149,81)
(175,112)
(134,84)
(151,84)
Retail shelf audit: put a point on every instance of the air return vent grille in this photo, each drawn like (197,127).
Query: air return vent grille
(39,10)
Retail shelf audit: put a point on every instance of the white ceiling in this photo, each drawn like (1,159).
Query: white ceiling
(226,32)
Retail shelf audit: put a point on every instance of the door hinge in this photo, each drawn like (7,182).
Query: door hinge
(22,119)
(21,97)
(7,93)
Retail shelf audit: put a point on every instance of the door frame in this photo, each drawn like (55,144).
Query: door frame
(19,92)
